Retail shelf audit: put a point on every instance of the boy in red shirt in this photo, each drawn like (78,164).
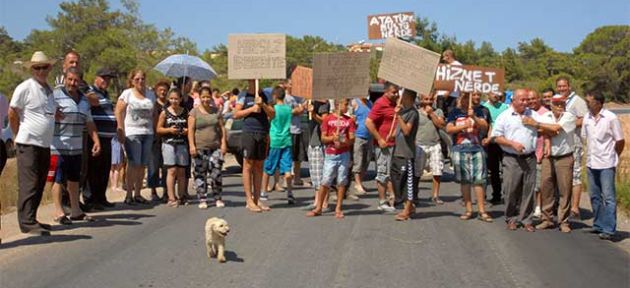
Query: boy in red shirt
(338,138)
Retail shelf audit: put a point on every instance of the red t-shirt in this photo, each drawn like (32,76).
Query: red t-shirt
(382,114)
(329,127)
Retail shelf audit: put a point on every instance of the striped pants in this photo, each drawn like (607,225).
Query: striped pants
(403,179)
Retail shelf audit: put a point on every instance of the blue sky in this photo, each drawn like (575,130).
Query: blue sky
(561,24)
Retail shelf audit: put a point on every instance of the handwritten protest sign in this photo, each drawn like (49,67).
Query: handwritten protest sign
(401,25)
(302,82)
(469,78)
(256,56)
(341,75)
(408,65)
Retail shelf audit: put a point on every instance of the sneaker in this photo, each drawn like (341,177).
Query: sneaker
(290,199)
(219,204)
(359,190)
(383,206)
(537,212)
(353,196)
(605,236)
(203,205)
(263,196)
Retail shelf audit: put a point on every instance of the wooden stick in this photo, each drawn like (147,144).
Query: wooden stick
(310,115)
(391,129)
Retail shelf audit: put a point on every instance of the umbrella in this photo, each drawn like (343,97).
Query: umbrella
(184,65)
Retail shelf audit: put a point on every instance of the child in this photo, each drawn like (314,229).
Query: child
(402,167)
(208,143)
(172,126)
(279,157)
(338,137)
(118,156)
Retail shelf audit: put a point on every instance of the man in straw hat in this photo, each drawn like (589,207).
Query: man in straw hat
(32,115)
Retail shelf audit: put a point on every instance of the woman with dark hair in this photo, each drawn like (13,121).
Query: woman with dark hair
(466,123)
(135,117)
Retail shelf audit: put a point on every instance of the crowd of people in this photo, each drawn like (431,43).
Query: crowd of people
(529,152)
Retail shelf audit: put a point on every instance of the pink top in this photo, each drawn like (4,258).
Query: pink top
(540,141)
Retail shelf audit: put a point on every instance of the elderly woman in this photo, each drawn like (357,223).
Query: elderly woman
(466,123)
(135,115)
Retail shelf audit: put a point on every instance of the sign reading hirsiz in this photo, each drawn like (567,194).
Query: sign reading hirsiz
(397,25)
(257,56)
(468,78)
(341,75)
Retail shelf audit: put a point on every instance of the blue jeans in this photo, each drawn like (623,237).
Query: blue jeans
(601,184)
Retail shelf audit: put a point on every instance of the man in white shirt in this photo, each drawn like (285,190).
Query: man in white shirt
(557,165)
(601,129)
(32,115)
(518,143)
(576,106)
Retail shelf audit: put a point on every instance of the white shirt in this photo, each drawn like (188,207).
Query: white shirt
(601,136)
(37,113)
(577,106)
(561,144)
(509,125)
(139,113)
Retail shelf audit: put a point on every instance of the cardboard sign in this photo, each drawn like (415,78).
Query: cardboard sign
(302,82)
(401,25)
(257,56)
(408,65)
(468,78)
(341,75)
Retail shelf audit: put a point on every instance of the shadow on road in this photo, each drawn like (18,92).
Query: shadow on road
(99,223)
(231,256)
(38,240)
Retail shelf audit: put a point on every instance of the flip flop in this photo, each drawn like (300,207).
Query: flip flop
(339,215)
(313,213)
(254,209)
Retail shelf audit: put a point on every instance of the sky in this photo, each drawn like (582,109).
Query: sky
(561,24)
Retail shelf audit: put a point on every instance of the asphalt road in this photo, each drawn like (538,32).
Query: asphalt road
(163,247)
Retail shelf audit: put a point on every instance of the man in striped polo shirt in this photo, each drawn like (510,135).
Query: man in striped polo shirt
(98,166)
(67,145)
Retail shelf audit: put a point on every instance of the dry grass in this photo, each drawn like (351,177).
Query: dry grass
(623,171)
(9,188)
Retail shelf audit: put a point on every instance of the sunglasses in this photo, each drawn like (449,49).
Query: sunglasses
(40,68)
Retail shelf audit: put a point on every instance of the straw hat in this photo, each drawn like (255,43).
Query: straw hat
(39,58)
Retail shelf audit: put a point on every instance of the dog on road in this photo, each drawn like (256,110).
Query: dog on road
(216,231)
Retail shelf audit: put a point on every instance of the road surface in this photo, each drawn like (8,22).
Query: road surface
(157,246)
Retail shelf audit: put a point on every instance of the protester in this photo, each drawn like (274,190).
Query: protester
(4,110)
(467,154)
(71,59)
(338,136)
(98,166)
(557,165)
(253,108)
(484,135)
(402,168)
(447,100)
(32,115)
(534,103)
(230,103)
(380,123)
(362,150)
(207,140)
(117,164)
(172,126)
(493,150)
(299,146)
(318,110)
(428,148)
(547,94)
(135,117)
(156,173)
(604,143)
(67,145)
(280,156)
(518,143)
(576,106)
(218,99)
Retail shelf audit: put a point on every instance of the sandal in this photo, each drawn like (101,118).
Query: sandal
(253,208)
(82,217)
(140,199)
(264,208)
(172,203)
(313,213)
(339,215)
(466,215)
(129,201)
(63,220)
(219,203)
(485,217)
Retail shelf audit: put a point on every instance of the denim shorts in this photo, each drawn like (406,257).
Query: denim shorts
(278,159)
(175,155)
(138,148)
(336,166)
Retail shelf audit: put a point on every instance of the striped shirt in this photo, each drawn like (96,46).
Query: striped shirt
(68,133)
(103,114)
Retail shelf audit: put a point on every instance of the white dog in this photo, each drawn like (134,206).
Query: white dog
(216,231)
